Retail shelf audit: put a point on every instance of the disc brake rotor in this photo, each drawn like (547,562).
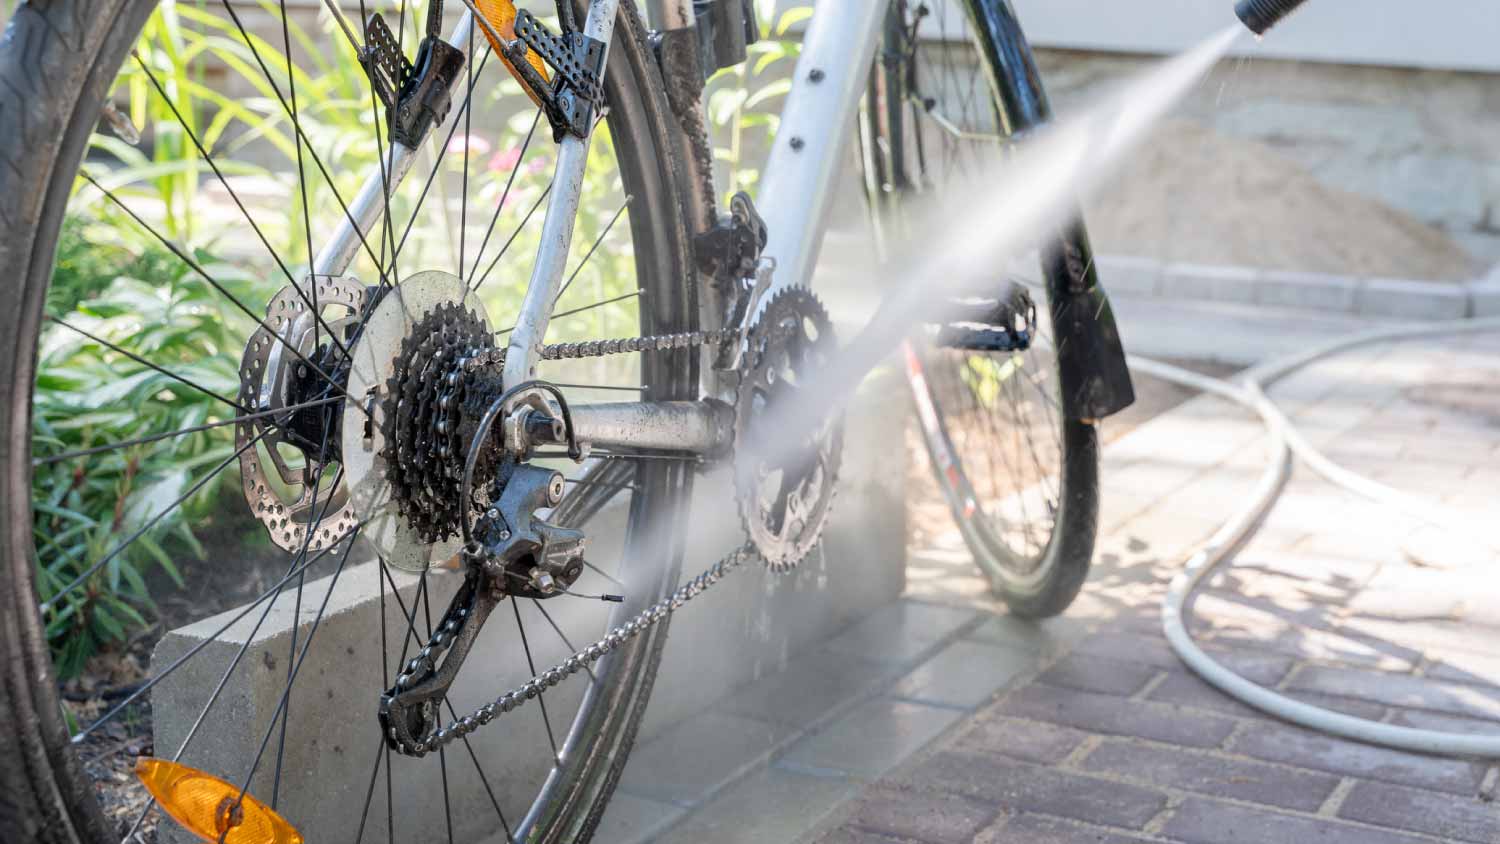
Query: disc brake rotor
(288,478)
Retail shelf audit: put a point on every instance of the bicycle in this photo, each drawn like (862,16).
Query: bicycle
(378,404)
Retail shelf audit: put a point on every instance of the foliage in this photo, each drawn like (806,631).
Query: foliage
(743,102)
(88,395)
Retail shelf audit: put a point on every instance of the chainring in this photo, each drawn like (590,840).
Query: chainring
(785,481)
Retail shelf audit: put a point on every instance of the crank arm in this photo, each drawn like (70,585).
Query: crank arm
(409,711)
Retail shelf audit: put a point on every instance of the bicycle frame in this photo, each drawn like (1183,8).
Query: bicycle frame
(795,198)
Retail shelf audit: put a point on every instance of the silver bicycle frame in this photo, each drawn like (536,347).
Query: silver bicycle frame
(795,197)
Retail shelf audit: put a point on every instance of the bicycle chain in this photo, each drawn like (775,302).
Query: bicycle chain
(647,618)
(448,627)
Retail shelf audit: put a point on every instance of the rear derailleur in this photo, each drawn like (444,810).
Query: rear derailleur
(513,552)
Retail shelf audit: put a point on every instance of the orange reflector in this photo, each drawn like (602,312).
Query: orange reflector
(210,808)
(501,15)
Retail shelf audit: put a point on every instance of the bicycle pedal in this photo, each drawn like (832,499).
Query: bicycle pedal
(383,61)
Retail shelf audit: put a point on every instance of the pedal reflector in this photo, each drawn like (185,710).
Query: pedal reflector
(501,15)
(211,808)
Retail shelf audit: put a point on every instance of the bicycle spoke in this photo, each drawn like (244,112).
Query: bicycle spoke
(541,697)
(207,426)
(214,283)
(148,364)
(312,151)
(152,522)
(234,197)
(195,649)
(513,236)
(504,195)
(592,249)
(437,165)
(575,311)
(438,720)
(561,635)
(296,670)
(224,681)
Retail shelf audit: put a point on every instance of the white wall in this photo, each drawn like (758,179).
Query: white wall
(1454,34)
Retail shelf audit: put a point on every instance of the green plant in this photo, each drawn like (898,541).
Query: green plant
(84,508)
(743,101)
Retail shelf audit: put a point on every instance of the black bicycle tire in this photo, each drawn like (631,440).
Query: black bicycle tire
(1063,565)
(57,61)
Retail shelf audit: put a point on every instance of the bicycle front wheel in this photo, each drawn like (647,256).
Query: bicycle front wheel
(1019,477)
(171,173)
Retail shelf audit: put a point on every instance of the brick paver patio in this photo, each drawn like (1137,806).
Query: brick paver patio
(943,721)
(1336,602)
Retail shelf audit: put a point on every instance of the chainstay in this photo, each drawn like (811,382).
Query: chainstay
(643,621)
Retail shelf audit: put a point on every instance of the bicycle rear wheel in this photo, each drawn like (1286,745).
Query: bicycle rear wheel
(1019,477)
(85,419)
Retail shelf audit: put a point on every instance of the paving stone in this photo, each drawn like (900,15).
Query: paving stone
(809,688)
(1443,722)
(1116,716)
(854,835)
(964,674)
(687,763)
(1099,674)
(870,739)
(1319,752)
(1460,667)
(1213,775)
(1012,785)
(919,816)
(1029,741)
(1148,648)
(902,631)
(1047,637)
(1037,829)
(629,819)
(1412,299)
(1400,690)
(1201,821)
(1442,815)
(1183,689)
(769,805)
(1306,290)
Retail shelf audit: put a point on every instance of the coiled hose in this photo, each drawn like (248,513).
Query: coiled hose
(1220,547)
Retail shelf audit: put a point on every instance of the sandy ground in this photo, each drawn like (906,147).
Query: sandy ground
(1196,196)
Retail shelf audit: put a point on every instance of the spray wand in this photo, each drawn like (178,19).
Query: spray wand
(1261,15)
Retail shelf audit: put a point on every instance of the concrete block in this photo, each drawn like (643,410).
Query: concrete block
(1306,291)
(1129,276)
(902,631)
(1484,295)
(1216,284)
(1412,299)
(809,688)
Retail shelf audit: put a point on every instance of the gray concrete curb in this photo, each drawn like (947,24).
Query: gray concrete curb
(1372,297)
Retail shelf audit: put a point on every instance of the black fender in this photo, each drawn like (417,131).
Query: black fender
(1089,349)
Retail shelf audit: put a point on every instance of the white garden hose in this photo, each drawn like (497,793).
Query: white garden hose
(1220,547)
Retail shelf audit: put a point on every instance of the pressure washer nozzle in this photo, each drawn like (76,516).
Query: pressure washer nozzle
(1261,15)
